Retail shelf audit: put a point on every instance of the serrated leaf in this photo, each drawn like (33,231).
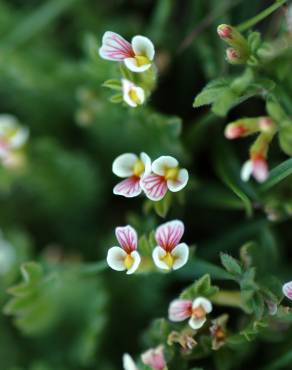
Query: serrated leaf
(201,287)
(211,92)
(230,264)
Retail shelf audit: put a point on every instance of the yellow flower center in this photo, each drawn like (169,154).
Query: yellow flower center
(171,173)
(134,96)
(138,168)
(168,259)
(199,312)
(141,60)
(128,261)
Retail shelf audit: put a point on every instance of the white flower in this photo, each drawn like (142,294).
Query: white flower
(125,257)
(287,290)
(166,176)
(12,135)
(133,95)
(196,311)
(170,253)
(133,168)
(128,362)
(137,56)
(154,358)
(257,167)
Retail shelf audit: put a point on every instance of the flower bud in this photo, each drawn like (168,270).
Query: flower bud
(233,56)
(238,43)
(242,128)
(266,124)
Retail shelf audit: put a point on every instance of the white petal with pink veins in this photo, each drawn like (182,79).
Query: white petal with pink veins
(181,255)
(137,260)
(127,237)
(132,65)
(128,188)
(169,234)
(179,310)
(161,164)
(115,258)
(157,254)
(287,290)
(154,186)
(180,183)
(123,165)
(115,47)
(143,46)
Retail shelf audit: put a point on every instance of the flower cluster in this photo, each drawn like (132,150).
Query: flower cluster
(265,128)
(154,358)
(168,254)
(12,140)
(154,179)
(137,57)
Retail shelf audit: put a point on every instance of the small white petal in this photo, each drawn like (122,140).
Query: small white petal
(19,138)
(147,163)
(203,302)
(128,362)
(246,171)
(196,323)
(162,163)
(157,254)
(137,259)
(115,258)
(181,255)
(143,46)
(180,183)
(287,290)
(123,165)
(131,64)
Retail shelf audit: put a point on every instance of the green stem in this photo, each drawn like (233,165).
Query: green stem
(231,298)
(93,268)
(259,17)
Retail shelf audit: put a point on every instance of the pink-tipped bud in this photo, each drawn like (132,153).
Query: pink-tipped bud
(180,310)
(154,358)
(234,131)
(260,168)
(266,124)
(233,56)
(224,31)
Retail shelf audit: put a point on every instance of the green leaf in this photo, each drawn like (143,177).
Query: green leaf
(285,138)
(117,98)
(162,206)
(275,110)
(201,287)
(211,92)
(278,174)
(113,84)
(230,264)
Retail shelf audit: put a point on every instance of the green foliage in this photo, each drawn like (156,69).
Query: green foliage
(201,287)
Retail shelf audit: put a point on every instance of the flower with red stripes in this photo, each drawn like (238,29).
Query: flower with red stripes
(166,175)
(133,168)
(137,55)
(125,257)
(170,253)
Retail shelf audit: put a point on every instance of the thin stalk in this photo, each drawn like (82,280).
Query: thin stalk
(259,17)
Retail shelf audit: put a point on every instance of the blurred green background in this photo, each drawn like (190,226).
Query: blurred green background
(60,211)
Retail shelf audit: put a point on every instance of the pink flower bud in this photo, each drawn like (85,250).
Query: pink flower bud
(224,31)
(234,131)
(260,169)
(266,124)
(154,358)
(233,56)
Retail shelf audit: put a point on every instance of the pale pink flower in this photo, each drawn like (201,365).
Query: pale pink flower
(133,168)
(154,358)
(137,55)
(195,311)
(287,290)
(258,167)
(125,257)
(170,253)
(166,175)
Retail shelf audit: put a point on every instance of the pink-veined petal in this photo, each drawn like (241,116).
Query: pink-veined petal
(128,188)
(154,186)
(287,290)
(168,235)
(127,237)
(115,47)
(154,358)
(179,310)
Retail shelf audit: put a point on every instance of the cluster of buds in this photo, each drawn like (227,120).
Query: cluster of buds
(153,358)
(12,140)
(169,253)
(137,57)
(265,128)
(238,52)
(153,178)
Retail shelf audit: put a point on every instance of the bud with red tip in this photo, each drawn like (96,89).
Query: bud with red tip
(241,128)
(239,51)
